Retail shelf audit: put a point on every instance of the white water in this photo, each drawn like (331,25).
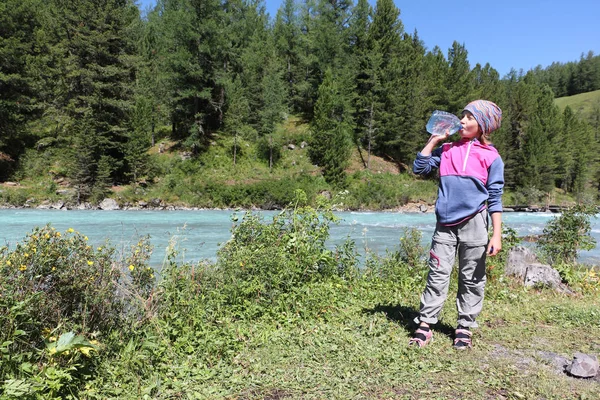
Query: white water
(200,233)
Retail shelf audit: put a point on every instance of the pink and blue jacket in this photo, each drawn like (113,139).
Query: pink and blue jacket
(471,177)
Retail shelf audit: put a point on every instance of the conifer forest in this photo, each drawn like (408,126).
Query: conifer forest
(91,85)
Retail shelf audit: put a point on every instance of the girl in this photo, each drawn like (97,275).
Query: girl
(470,188)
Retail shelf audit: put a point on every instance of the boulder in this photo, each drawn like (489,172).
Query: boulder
(583,366)
(84,206)
(523,264)
(109,205)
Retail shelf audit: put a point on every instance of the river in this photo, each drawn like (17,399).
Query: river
(200,233)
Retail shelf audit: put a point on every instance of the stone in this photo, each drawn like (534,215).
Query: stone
(109,205)
(541,274)
(423,208)
(291,146)
(583,366)
(523,264)
(518,259)
(84,206)
(58,205)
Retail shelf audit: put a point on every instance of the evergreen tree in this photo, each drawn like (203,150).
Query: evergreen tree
(94,97)
(19,86)
(537,122)
(385,34)
(458,79)
(287,42)
(273,91)
(366,66)
(435,71)
(578,152)
(331,130)
(238,110)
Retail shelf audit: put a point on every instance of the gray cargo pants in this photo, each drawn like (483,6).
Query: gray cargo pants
(470,238)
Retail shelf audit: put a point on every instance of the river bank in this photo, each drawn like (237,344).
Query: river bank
(110,204)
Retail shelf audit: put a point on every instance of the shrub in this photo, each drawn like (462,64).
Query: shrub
(56,291)
(568,233)
(405,266)
(263,261)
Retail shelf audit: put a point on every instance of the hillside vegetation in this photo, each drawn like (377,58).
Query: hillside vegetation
(90,89)
(585,104)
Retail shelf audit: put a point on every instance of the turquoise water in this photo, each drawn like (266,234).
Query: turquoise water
(200,233)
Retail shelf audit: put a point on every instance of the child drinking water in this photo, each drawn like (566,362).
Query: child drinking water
(470,189)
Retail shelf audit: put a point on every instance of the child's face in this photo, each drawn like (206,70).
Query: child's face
(470,127)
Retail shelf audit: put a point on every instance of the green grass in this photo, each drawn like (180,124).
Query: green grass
(584,103)
(358,349)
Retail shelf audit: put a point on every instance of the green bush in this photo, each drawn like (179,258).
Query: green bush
(568,233)
(405,266)
(56,291)
(264,261)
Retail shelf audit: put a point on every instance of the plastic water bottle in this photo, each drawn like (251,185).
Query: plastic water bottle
(442,121)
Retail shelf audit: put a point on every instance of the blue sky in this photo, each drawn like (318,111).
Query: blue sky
(518,34)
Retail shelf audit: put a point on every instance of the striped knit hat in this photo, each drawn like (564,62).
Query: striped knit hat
(487,114)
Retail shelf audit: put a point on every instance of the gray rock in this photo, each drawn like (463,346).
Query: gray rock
(583,366)
(44,206)
(155,202)
(523,264)
(84,206)
(109,205)
(58,205)
(291,146)
(303,145)
(542,274)
(142,204)
(423,208)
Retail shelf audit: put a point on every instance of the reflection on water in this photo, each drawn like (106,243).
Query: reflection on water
(200,233)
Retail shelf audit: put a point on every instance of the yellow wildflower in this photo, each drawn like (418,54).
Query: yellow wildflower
(53,268)
(131,267)
(58,234)
(26,255)
(90,263)
(85,238)
(99,248)
(23,267)
(152,276)
(70,230)
(86,350)
(8,263)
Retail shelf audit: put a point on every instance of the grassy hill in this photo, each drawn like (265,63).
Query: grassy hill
(585,103)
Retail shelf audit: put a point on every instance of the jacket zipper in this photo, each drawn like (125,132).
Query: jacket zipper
(467,156)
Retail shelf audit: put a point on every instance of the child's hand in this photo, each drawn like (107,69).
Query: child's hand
(436,139)
(494,246)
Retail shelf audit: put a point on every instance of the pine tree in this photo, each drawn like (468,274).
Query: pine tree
(458,79)
(366,69)
(19,84)
(92,40)
(331,131)
(435,70)
(385,34)
(287,42)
